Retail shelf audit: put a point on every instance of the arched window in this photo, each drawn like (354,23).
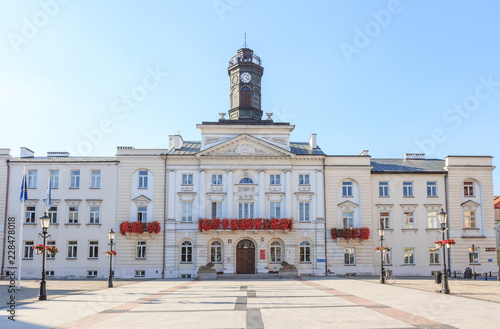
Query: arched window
(305,252)
(216,252)
(245,95)
(246,180)
(275,252)
(187,252)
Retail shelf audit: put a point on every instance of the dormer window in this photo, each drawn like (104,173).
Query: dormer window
(246,180)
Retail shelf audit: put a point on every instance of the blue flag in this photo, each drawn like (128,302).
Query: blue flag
(24,188)
(48,201)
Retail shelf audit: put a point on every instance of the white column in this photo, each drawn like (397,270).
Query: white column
(262,195)
(203,209)
(320,198)
(171,195)
(288,194)
(230,187)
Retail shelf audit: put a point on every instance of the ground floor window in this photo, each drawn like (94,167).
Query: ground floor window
(387,257)
(474,256)
(434,256)
(349,256)
(28,250)
(216,252)
(305,252)
(409,256)
(187,252)
(141,249)
(275,252)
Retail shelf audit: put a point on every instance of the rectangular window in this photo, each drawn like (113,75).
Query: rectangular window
(95,212)
(409,220)
(434,256)
(73,215)
(347,220)
(32,178)
(53,215)
(30,215)
(216,209)
(139,273)
(72,249)
(388,257)
(92,274)
(94,249)
(142,214)
(187,211)
(245,210)
(304,179)
(383,188)
(75,179)
(28,250)
(385,220)
(216,252)
(49,273)
(275,179)
(470,219)
(432,219)
(409,256)
(474,256)
(141,249)
(349,256)
(217,179)
(432,189)
(51,244)
(54,178)
(305,252)
(187,179)
(407,189)
(346,189)
(468,189)
(275,208)
(143,179)
(304,211)
(96,179)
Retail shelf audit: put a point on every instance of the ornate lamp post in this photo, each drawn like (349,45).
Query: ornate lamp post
(44,221)
(442,216)
(381,233)
(111,236)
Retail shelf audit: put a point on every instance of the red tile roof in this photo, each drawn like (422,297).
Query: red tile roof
(496,202)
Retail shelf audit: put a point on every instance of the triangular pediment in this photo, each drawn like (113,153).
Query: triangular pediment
(347,204)
(142,199)
(245,145)
(470,203)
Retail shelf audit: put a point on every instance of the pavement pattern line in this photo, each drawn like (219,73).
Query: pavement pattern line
(397,314)
(106,315)
(253,315)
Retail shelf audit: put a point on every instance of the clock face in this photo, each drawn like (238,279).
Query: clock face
(245,77)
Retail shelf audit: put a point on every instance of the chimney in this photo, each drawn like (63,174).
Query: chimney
(414,156)
(175,141)
(27,153)
(364,153)
(312,141)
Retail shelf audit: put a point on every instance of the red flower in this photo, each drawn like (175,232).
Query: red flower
(154,227)
(225,224)
(125,227)
(138,227)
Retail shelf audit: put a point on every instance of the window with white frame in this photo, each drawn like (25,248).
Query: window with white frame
(72,249)
(73,215)
(91,273)
(387,257)
(304,179)
(385,220)
(54,178)
(28,250)
(409,256)
(468,188)
(349,256)
(347,189)
(142,214)
(141,249)
(139,273)
(95,212)
(275,179)
(143,179)
(53,214)
(474,256)
(432,189)
(432,219)
(187,211)
(246,210)
(49,255)
(217,179)
(75,179)
(32,178)
(409,220)
(186,252)
(305,252)
(304,213)
(275,209)
(275,252)
(246,180)
(93,249)
(434,256)
(187,179)
(30,215)
(408,189)
(49,273)
(96,179)
(383,188)
(216,209)
(469,219)
(216,252)
(347,219)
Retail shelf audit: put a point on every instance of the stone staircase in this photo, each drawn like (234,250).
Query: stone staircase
(259,276)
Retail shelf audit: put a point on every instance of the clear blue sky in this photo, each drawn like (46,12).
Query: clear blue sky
(386,76)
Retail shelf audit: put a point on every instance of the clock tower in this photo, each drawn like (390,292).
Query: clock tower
(245,73)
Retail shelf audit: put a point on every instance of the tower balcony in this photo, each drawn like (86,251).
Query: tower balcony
(244,57)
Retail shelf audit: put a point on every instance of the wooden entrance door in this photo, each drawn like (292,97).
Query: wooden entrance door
(245,257)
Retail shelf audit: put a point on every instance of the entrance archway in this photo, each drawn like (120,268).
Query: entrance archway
(245,257)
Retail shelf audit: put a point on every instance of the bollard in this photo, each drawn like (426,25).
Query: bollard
(475,276)
(486,276)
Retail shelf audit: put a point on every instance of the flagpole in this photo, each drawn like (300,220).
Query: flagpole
(21,221)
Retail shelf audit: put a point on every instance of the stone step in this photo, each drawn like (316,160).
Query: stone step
(247,276)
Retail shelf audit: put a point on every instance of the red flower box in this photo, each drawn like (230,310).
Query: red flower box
(232,224)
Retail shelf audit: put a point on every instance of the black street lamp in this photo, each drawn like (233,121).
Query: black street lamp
(44,221)
(111,236)
(442,216)
(381,233)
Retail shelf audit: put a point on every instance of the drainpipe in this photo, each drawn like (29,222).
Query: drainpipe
(164,156)
(448,250)
(5,221)
(324,215)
